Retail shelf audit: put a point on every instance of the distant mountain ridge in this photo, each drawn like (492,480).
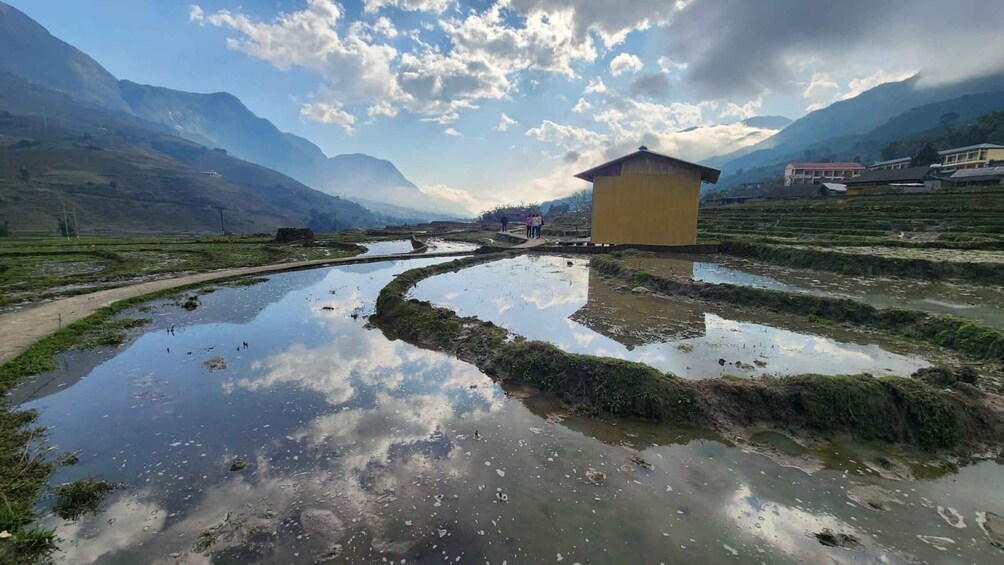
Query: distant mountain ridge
(29,51)
(903,106)
(124,175)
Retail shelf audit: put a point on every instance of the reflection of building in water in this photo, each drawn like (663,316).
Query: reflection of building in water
(634,320)
(663,265)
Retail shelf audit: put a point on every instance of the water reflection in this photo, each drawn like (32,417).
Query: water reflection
(361,449)
(559,300)
(984,303)
(392,247)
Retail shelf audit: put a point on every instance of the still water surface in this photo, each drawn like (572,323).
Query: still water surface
(365,450)
(984,303)
(559,300)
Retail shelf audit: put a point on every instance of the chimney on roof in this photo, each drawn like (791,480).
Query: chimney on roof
(643,148)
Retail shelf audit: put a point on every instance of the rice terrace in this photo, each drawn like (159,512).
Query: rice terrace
(740,339)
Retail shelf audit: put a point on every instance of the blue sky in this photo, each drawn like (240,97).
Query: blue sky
(425,83)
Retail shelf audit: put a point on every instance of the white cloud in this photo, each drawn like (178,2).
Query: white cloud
(486,53)
(196,14)
(505,122)
(858,85)
(668,65)
(452,132)
(458,196)
(823,90)
(747,110)
(569,137)
(435,6)
(595,86)
(384,26)
(625,63)
(328,114)
(581,106)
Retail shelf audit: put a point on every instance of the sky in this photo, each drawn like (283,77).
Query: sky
(490,101)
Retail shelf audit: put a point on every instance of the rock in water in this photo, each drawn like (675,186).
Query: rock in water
(320,522)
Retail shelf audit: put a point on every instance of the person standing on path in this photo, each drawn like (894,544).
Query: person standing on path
(505,222)
(529,226)
(540,225)
(534,226)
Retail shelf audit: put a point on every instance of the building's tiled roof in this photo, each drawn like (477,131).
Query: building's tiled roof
(971,147)
(978,173)
(707,173)
(891,161)
(827,166)
(888,176)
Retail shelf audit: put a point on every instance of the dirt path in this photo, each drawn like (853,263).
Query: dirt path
(21,328)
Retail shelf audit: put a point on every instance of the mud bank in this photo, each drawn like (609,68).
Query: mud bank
(894,409)
(972,339)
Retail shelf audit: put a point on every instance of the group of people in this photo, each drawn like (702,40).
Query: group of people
(534,222)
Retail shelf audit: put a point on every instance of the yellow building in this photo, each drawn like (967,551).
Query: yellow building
(971,157)
(647,199)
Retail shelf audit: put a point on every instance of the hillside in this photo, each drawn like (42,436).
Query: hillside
(29,51)
(840,125)
(124,177)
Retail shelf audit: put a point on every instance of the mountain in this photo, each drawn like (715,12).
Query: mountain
(120,174)
(768,122)
(854,117)
(29,51)
(858,128)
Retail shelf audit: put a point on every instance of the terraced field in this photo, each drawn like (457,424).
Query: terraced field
(965,219)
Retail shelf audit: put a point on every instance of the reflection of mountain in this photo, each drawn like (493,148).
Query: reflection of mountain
(635,320)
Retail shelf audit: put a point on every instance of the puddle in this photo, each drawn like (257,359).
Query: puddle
(392,247)
(983,303)
(437,245)
(545,298)
(360,450)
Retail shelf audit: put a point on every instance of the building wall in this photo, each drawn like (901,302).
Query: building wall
(646,209)
(808,176)
(971,159)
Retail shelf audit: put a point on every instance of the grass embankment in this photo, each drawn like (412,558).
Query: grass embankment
(37,269)
(894,409)
(824,259)
(970,338)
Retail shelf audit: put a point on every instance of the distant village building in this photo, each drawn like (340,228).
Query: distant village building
(744,193)
(647,198)
(212,174)
(971,156)
(910,179)
(891,164)
(983,176)
(808,173)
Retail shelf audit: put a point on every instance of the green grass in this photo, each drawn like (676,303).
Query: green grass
(35,269)
(80,497)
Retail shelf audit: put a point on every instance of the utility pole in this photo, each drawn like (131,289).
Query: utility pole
(223,230)
(66,223)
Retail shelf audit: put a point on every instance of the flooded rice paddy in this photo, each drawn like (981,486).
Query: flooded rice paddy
(559,300)
(392,247)
(358,449)
(982,303)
